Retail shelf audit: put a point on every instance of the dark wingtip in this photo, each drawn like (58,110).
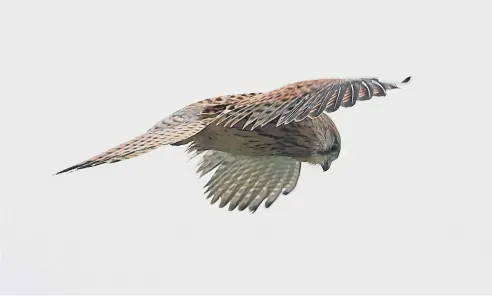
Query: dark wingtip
(83,165)
(67,170)
(407,80)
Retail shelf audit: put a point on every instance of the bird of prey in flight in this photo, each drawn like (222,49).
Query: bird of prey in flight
(256,141)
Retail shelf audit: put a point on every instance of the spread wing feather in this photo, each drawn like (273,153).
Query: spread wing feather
(245,182)
(175,129)
(142,144)
(296,101)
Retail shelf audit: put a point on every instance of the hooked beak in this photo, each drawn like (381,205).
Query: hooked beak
(325,165)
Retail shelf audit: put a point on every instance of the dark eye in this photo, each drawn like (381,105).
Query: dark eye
(334,147)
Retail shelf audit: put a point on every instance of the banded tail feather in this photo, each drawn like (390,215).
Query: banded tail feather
(246,182)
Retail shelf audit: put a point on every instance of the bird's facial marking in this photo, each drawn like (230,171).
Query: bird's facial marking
(326,156)
(333,151)
(334,148)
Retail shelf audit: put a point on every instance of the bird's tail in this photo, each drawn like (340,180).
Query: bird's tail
(133,148)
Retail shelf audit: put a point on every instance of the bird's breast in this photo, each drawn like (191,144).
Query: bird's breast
(299,140)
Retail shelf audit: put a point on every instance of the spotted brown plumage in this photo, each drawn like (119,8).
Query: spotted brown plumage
(174,129)
(296,101)
(255,142)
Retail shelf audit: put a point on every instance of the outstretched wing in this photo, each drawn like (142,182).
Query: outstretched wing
(296,101)
(245,182)
(177,128)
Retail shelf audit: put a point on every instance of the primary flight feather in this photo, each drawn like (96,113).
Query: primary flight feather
(257,141)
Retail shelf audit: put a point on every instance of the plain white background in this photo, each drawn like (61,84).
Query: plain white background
(405,209)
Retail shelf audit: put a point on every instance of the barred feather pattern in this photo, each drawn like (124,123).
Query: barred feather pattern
(245,182)
(296,101)
(253,167)
(176,129)
(210,160)
(180,126)
(139,145)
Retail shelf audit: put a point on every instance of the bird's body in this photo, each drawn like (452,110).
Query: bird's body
(256,141)
(299,140)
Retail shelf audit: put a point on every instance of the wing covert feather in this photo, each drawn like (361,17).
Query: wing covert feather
(297,101)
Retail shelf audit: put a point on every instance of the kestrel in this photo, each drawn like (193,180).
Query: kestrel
(257,141)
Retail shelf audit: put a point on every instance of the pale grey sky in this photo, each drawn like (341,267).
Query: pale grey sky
(405,209)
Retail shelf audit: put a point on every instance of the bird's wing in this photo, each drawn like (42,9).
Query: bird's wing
(245,182)
(176,128)
(296,101)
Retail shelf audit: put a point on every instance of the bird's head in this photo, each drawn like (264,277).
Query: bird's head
(326,155)
(330,154)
